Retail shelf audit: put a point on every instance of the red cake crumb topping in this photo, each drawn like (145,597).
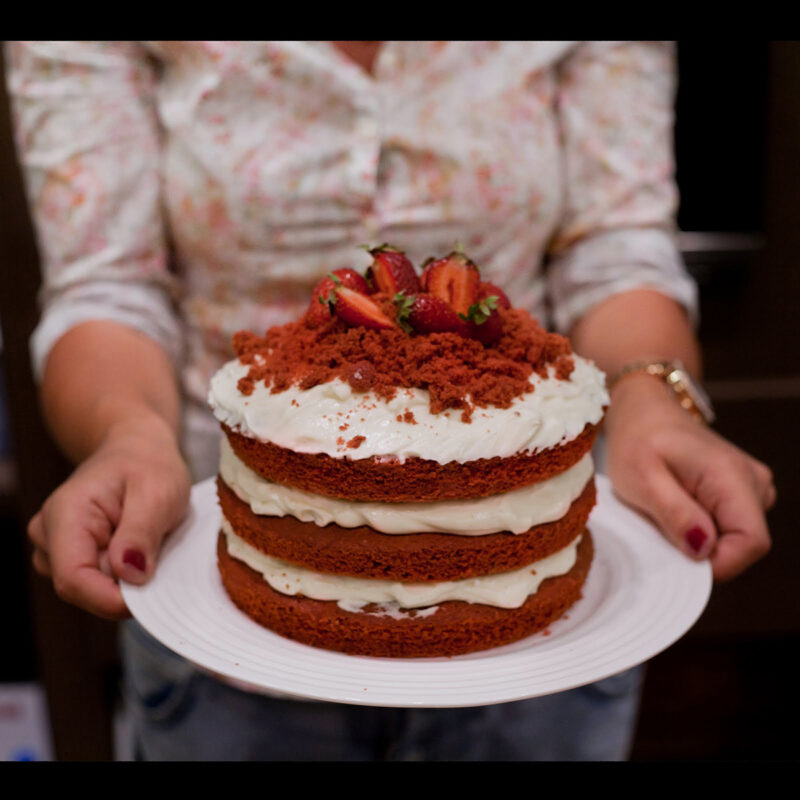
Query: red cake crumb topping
(457,372)
(367,341)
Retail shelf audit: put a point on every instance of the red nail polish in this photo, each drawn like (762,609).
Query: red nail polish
(135,559)
(696,538)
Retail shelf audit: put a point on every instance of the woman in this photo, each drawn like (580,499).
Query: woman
(186,190)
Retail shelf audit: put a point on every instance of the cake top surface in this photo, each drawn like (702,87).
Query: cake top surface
(444,331)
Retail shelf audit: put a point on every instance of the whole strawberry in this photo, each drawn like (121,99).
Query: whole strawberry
(319,309)
(427,313)
(483,318)
(487,289)
(391,272)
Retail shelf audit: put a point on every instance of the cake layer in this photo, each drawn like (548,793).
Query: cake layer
(388,480)
(516,511)
(504,590)
(450,628)
(334,419)
(364,552)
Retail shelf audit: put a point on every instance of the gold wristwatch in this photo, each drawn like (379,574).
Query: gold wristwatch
(687,390)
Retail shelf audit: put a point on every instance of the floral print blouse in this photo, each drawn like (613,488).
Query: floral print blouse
(193,189)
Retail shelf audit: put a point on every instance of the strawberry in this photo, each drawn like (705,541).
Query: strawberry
(453,278)
(359,309)
(487,289)
(489,331)
(426,313)
(483,319)
(319,309)
(391,272)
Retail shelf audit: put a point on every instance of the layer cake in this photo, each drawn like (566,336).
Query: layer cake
(406,471)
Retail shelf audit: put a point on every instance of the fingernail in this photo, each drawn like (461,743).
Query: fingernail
(696,538)
(135,559)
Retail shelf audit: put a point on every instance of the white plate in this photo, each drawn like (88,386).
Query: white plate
(640,597)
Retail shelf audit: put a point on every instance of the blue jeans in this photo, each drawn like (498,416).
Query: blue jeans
(180,713)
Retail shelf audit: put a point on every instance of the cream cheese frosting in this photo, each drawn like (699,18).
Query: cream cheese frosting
(503,590)
(516,511)
(324,418)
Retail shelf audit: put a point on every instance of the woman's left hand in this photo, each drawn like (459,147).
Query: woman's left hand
(707,496)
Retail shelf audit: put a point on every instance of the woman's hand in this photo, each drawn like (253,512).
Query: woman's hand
(707,496)
(108,520)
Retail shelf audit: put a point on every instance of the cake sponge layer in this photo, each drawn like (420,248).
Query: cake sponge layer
(451,628)
(414,480)
(364,552)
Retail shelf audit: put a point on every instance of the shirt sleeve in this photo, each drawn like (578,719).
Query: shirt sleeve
(87,140)
(618,231)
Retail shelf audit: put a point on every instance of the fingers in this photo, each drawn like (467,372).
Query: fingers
(41,561)
(739,513)
(150,511)
(69,537)
(708,496)
(656,491)
(736,490)
(92,531)
(107,521)
(763,483)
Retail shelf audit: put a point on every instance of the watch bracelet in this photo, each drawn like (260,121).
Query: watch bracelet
(663,369)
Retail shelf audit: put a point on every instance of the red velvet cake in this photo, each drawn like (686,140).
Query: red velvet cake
(406,470)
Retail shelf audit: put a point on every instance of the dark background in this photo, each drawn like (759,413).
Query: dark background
(724,691)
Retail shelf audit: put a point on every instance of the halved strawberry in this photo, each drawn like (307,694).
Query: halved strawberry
(319,309)
(426,313)
(360,310)
(391,271)
(453,278)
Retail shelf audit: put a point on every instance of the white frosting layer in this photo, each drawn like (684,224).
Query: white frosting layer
(311,421)
(516,511)
(504,590)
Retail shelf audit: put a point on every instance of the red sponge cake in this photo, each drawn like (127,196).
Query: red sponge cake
(406,470)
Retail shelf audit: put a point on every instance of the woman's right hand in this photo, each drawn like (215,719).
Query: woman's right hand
(108,520)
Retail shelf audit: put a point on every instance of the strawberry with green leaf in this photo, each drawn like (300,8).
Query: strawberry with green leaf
(427,313)
(322,298)
(485,323)
(487,289)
